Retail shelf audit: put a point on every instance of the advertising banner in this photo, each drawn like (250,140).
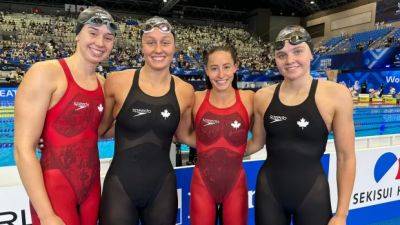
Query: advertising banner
(388,80)
(14,206)
(376,193)
(7,94)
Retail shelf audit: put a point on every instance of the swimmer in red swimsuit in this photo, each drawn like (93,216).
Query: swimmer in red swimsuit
(222,118)
(62,101)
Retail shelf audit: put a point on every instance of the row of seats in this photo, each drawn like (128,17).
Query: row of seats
(360,41)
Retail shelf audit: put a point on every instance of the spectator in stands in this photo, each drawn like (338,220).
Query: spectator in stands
(19,72)
(360,46)
(389,41)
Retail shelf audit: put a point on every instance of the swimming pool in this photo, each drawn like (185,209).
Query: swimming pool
(369,121)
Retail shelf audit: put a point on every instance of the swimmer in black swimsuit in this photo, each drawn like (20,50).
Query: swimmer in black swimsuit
(141,184)
(293,119)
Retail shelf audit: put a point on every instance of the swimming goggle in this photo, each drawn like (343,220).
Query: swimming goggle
(163,27)
(98,21)
(293,40)
(156,22)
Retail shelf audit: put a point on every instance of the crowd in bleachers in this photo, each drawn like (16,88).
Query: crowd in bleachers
(29,38)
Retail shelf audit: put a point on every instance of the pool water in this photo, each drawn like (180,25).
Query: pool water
(368,121)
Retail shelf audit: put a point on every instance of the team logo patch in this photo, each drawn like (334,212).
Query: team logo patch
(165,114)
(275,119)
(208,122)
(81,105)
(140,112)
(302,123)
(100,108)
(236,124)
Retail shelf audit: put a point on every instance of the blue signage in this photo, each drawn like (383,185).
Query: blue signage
(7,94)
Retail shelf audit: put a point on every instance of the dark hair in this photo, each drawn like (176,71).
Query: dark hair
(224,48)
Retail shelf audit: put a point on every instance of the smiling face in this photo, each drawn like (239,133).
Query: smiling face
(158,49)
(221,69)
(95,43)
(293,61)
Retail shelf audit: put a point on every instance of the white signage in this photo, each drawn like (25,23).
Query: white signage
(14,206)
(377,177)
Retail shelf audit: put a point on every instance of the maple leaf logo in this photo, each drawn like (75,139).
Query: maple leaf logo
(100,108)
(165,114)
(236,124)
(303,123)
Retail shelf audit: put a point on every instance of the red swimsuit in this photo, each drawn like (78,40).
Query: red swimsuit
(70,161)
(218,177)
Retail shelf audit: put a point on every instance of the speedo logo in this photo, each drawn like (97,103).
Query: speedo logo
(140,112)
(208,122)
(277,118)
(81,105)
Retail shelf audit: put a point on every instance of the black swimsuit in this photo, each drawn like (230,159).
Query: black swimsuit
(292,183)
(141,183)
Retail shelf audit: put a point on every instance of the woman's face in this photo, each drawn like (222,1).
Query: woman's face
(293,61)
(158,49)
(221,69)
(95,43)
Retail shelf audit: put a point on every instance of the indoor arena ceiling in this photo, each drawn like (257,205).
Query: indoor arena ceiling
(287,7)
(228,9)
